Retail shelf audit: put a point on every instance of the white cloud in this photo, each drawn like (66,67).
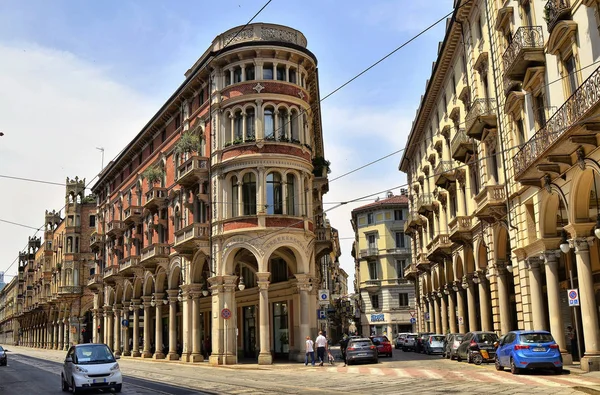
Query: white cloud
(55,109)
(355,136)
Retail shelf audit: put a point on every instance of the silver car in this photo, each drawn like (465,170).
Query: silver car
(434,344)
(361,349)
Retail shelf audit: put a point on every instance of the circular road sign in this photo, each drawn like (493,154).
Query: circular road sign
(573,294)
(226,314)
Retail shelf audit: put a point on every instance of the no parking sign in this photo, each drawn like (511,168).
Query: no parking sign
(573,297)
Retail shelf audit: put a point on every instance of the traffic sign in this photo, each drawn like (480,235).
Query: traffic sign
(321,314)
(573,297)
(226,314)
(125,322)
(323,296)
(412,313)
(413,320)
(461,321)
(427,315)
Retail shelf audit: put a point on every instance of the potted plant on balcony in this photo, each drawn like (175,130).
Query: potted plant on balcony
(153,174)
(321,166)
(188,142)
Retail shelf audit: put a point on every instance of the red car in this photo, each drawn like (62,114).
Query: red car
(384,347)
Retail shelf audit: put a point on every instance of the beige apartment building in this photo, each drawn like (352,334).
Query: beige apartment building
(9,309)
(502,165)
(381,254)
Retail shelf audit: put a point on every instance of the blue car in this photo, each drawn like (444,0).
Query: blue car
(519,350)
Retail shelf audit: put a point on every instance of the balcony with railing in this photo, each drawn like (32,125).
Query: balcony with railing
(460,229)
(129,264)
(444,173)
(110,272)
(156,198)
(491,203)
(526,50)
(556,11)
(425,203)
(152,254)
(413,221)
(96,241)
(439,248)
(557,138)
(410,272)
(95,281)
(461,145)
(67,290)
(368,252)
(371,286)
(191,237)
(422,261)
(481,116)
(133,214)
(192,171)
(115,228)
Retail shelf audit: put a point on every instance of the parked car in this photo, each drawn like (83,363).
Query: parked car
(410,342)
(453,340)
(434,344)
(477,342)
(361,349)
(400,339)
(420,341)
(384,347)
(528,350)
(3,357)
(91,366)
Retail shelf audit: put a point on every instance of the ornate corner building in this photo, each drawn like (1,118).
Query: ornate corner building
(206,234)
(502,164)
(382,254)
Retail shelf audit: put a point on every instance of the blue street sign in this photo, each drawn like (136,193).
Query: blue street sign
(413,320)
(322,314)
(125,323)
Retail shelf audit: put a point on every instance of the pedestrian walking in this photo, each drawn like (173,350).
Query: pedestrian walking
(344,346)
(572,336)
(321,342)
(310,351)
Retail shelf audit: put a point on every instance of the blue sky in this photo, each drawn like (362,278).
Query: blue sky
(75,75)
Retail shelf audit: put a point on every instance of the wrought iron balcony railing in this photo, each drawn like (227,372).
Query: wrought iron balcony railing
(479,108)
(526,37)
(570,113)
(555,11)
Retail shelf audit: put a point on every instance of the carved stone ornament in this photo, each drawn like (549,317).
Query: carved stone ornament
(258,88)
(301,94)
(491,139)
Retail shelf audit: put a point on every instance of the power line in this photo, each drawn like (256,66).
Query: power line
(33,180)
(18,224)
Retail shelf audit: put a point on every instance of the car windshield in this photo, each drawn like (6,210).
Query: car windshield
(361,343)
(437,338)
(1,349)
(93,354)
(536,338)
(411,336)
(487,338)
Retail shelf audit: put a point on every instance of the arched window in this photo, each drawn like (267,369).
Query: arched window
(274,194)
(282,124)
(234,197)
(294,120)
(291,195)
(237,126)
(269,124)
(249,194)
(250,122)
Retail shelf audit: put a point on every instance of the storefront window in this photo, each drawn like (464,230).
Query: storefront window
(281,333)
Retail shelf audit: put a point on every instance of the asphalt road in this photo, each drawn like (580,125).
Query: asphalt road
(27,375)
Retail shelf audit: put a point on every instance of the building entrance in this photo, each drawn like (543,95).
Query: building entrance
(281,332)
(250,350)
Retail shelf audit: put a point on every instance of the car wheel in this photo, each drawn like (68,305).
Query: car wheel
(118,388)
(558,370)
(458,358)
(64,384)
(497,364)
(469,360)
(513,368)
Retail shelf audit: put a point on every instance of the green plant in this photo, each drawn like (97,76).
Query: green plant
(318,164)
(153,174)
(188,142)
(227,144)
(270,137)
(250,139)
(238,141)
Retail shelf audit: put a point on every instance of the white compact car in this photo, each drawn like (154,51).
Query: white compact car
(91,366)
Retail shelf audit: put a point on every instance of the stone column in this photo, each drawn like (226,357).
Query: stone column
(444,306)
(173,293)
(230,326)
(67,335)
(108,326)
(49,336)
(186,306)
(438,318)
(452,310)
(147,331)
(553,288)
(158,335)
(535,286)
(100,321)
(126,350)
(56,335)
(95,325)
(503,299)
(196,341)
(136,328)
(303,288)
(117,329)
(472,307)
(264,357)
(589,316)
(485,304)
(110,340)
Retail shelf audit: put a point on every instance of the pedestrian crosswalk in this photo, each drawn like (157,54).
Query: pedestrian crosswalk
(482,375)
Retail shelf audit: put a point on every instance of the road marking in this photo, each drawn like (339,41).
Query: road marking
(402,373)
(353,370)
(503,379)
(377,372)
(463,376)
(573,380)
(431,375)
(542,381)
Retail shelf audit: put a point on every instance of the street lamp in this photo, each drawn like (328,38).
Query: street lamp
(564,243)
(509,267)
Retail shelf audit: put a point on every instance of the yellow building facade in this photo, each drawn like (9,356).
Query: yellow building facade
(502,165)
(382,252)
